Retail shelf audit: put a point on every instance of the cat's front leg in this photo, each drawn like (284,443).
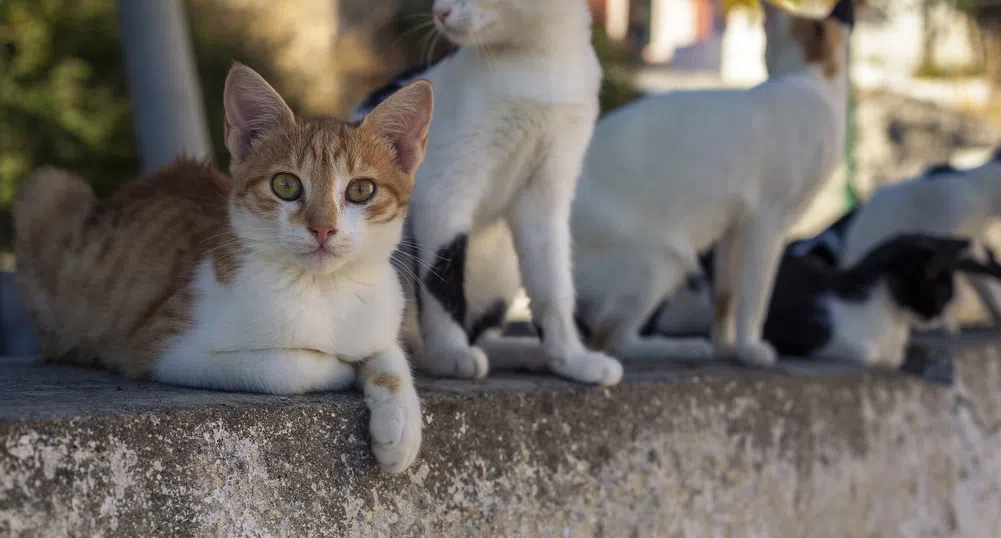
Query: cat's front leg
(539,220)
(395,423)
(443,239)
(760,251)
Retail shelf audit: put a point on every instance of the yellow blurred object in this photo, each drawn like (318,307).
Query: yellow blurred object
(805,8)
(752,5)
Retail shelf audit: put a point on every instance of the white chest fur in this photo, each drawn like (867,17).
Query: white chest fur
(873,332)
(346,316)
(496,119)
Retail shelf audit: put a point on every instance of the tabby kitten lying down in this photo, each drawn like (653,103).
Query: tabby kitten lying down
(276,280)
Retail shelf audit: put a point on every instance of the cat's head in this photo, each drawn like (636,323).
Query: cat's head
(489,22)
(920,272)
(793,43)
(321,193)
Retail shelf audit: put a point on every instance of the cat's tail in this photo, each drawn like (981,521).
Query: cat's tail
(49,210)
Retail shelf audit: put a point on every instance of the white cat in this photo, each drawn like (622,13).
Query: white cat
(669,175)
(515,107)
(942,201)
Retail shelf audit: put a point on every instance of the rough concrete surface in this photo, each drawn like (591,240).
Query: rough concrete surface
(806,451)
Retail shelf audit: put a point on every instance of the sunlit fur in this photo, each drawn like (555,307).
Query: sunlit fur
(516,105)
(669,175)
(190,277)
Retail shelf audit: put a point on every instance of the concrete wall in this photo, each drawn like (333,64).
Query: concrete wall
(809,452)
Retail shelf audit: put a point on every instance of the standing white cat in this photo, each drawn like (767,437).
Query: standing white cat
(516,105)
(667,176)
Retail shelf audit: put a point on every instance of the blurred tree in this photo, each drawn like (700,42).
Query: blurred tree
(63,95)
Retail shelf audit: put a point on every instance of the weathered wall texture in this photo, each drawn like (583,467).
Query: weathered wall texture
(804,455)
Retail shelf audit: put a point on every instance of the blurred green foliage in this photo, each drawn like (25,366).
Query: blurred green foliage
(617,86)
(63,95)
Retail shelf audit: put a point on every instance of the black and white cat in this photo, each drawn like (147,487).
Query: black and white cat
(942,201)
(515,106)
(669,175)
(863,313)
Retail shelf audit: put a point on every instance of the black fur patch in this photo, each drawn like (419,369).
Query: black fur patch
(844,11)
(938,170)
(491,318)
(919,270)
(996,157)
(650,327)
(582,329)
(447,282)
(539,331)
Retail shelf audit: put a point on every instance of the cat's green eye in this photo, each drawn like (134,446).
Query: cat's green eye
(286,186)
(361,191)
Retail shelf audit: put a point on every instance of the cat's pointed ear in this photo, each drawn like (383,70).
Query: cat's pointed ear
(844,12)
(252,107)
(403,120)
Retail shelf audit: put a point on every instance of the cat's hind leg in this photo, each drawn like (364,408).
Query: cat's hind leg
(761,248)
(618,323)
(395,423)
(539,218)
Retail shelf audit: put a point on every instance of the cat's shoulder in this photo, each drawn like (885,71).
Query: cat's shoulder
(185,181)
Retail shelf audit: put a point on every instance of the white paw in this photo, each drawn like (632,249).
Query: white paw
(588,367)
(462,362)
(755,354)
(395,428)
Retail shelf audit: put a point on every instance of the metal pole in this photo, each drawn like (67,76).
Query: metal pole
(851,197)
(166,97)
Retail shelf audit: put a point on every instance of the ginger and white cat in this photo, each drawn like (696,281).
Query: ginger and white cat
(276,280)
(669,175)
(516,106)
(943,201)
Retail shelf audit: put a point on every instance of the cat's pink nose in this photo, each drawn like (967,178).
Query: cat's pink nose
(441,13)
(321,233)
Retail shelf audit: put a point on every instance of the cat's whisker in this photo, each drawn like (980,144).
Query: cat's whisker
(423,264)
(415,246)
(434,43)
(416,29)
(409,276)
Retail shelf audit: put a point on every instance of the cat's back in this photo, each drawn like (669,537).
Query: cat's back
(111,278)
(686,156)
(944,205)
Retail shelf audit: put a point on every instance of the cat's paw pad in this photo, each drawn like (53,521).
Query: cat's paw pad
(755,354)
(395,428)
(588,366)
